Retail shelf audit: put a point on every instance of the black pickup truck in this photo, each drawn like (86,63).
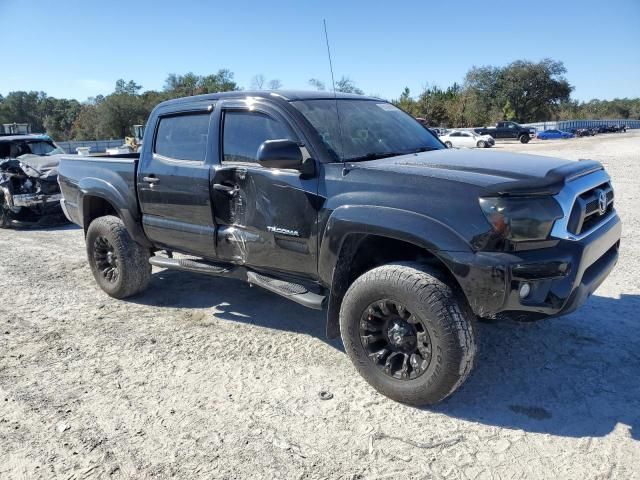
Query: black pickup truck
(508,130)
(348,204)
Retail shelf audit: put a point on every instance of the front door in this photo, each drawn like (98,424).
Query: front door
(173,183)
(267,218)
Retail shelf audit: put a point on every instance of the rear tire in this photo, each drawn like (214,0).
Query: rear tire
(423,348)
(120,265)
(448,144)
(524,138)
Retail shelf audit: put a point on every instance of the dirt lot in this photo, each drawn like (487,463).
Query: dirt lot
(201,377)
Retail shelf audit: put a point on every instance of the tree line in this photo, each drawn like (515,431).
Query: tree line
(523,91)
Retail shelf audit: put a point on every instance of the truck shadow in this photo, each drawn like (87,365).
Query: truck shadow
(234,300)
(575,376)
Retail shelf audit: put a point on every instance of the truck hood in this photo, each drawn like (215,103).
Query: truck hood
(500,173)
(41,163)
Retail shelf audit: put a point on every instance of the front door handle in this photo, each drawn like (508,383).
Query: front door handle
(151,179)
(226,189)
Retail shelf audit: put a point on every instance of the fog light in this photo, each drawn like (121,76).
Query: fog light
(525,290)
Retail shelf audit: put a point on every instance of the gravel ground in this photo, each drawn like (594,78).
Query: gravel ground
(208,378)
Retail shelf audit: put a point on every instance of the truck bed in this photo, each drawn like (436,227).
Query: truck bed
(113,177)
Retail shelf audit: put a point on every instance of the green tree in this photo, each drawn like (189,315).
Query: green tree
(87,124)
(481,92)
(346,85)
(405,102)
(534,91)
(25,107)
(120,110)
(192,84)
(59,117)
(217,82)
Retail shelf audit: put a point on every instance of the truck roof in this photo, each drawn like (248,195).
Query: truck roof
(286,95)
(24,136)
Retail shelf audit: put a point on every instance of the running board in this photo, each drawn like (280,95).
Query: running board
(292,291)
(190,265)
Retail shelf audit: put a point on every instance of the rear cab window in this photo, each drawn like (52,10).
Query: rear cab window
(183,137)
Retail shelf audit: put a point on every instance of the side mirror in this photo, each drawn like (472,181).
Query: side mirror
(284,154)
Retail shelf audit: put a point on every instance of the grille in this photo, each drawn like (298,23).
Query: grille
(586,213)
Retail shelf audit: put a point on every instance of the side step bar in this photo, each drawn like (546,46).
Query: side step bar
(195,266)
(293,291)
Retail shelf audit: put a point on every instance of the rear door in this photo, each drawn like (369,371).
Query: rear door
(267,218)
(173,182)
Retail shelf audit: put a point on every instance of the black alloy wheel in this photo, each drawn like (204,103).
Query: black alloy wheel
(396,341)
(106,259)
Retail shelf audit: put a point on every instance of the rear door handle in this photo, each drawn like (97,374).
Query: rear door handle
(151,179)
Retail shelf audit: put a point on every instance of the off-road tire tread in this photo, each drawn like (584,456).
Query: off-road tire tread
(135,269)
(451,312)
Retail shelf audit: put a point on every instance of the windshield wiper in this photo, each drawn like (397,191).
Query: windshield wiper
(423,149)
(375,156)
(378,155)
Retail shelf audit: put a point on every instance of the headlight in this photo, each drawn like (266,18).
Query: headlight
(521,219)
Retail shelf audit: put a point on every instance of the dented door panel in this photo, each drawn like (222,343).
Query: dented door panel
(270,219)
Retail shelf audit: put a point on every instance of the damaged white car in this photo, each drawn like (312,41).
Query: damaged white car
(29,191)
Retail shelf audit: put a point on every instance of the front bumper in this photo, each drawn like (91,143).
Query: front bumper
(561,277)
(31,200)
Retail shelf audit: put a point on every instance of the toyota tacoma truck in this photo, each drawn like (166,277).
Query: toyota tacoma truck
(508,130)
(348,204)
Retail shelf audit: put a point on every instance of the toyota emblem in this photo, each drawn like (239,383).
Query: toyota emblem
(602,202)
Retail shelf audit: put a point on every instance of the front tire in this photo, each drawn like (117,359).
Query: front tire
(120,265)
(448,144)
(408,333)
(481,144)
(524,138)
(5,216)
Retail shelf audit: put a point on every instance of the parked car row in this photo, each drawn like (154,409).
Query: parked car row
(552,134)
(485,136)
(585,132)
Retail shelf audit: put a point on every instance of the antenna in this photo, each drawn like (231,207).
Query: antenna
(335,96)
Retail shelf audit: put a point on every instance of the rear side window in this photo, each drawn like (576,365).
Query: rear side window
(244,132)
(183,137)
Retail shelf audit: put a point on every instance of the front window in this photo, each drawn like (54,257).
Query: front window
(244,132)
(367,129)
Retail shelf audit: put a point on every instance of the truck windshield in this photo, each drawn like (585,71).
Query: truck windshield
(368,129)
(19,148)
